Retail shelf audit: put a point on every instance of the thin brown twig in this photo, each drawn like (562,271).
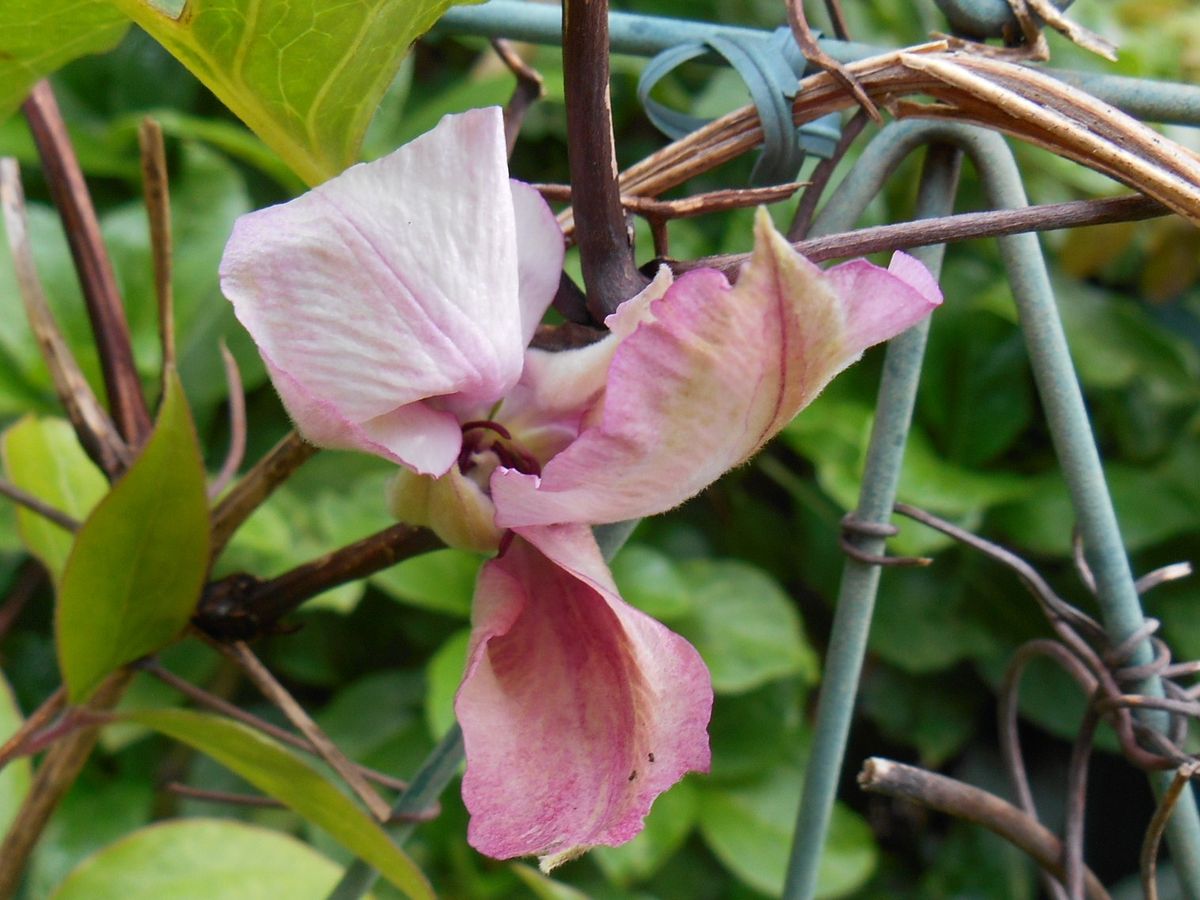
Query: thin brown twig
(1076,801)
(959,227)
(271,688)
(963,801)
(837,18)
(257,485)
(530,88)
(802,219)
(224,797)
(807,42)
(156,187)
(207,699)
(1158,824)
(109,326)
(95,430)
(686,207)
(237,426)
(33,504)
(610,274)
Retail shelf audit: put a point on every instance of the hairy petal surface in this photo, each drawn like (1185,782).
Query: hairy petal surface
(396,282)
(577,710)
(714,373)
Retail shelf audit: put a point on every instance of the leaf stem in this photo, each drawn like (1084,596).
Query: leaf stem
(109,326)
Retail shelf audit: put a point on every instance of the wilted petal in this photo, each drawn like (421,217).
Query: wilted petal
(715,373)
(577,710)
(396,282)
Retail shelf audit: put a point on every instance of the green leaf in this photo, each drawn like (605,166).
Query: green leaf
(280,774)
(199,858)
(652,582)
(39,36)
(749,828)
(543,887)
(305,76)
(444,674)
(442,581)
(43,457)
(15,777)
(671,820)
(139,561)
(744,626)
(936,716)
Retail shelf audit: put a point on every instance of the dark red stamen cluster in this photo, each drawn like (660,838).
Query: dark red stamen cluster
(511,454)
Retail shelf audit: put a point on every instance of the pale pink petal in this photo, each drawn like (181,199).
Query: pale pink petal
(860,284)
(577,710)
(414,435)
(540,251)
(708,380)
(394,282)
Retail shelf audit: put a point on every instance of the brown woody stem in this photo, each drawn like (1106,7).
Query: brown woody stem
(610,273)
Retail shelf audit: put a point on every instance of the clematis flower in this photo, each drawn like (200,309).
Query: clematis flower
(393,306)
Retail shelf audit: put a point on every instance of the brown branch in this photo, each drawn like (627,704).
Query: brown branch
(155,184)
(892,779)
(32,503)
(256,486)
(109,327)
(56,774)
(610,274)
(270,688)
(949,229)
(530,88)
(237,426)
(242,606)
(95,430)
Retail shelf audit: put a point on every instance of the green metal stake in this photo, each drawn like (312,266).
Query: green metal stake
(860,581)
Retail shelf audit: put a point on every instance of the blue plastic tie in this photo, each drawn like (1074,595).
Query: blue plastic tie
(771,67)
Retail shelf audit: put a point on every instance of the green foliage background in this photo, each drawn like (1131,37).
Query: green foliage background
(747,571)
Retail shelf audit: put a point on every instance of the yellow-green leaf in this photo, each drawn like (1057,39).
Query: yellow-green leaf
(278,773)
(39,36)
(305,75)
(43,457)
(15,777)
(134,575)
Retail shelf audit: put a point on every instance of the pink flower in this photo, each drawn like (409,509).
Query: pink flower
(393,306)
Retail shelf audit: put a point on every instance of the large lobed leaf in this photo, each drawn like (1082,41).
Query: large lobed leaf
(135,571)
(39,36)
(306,76)
(279,774)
